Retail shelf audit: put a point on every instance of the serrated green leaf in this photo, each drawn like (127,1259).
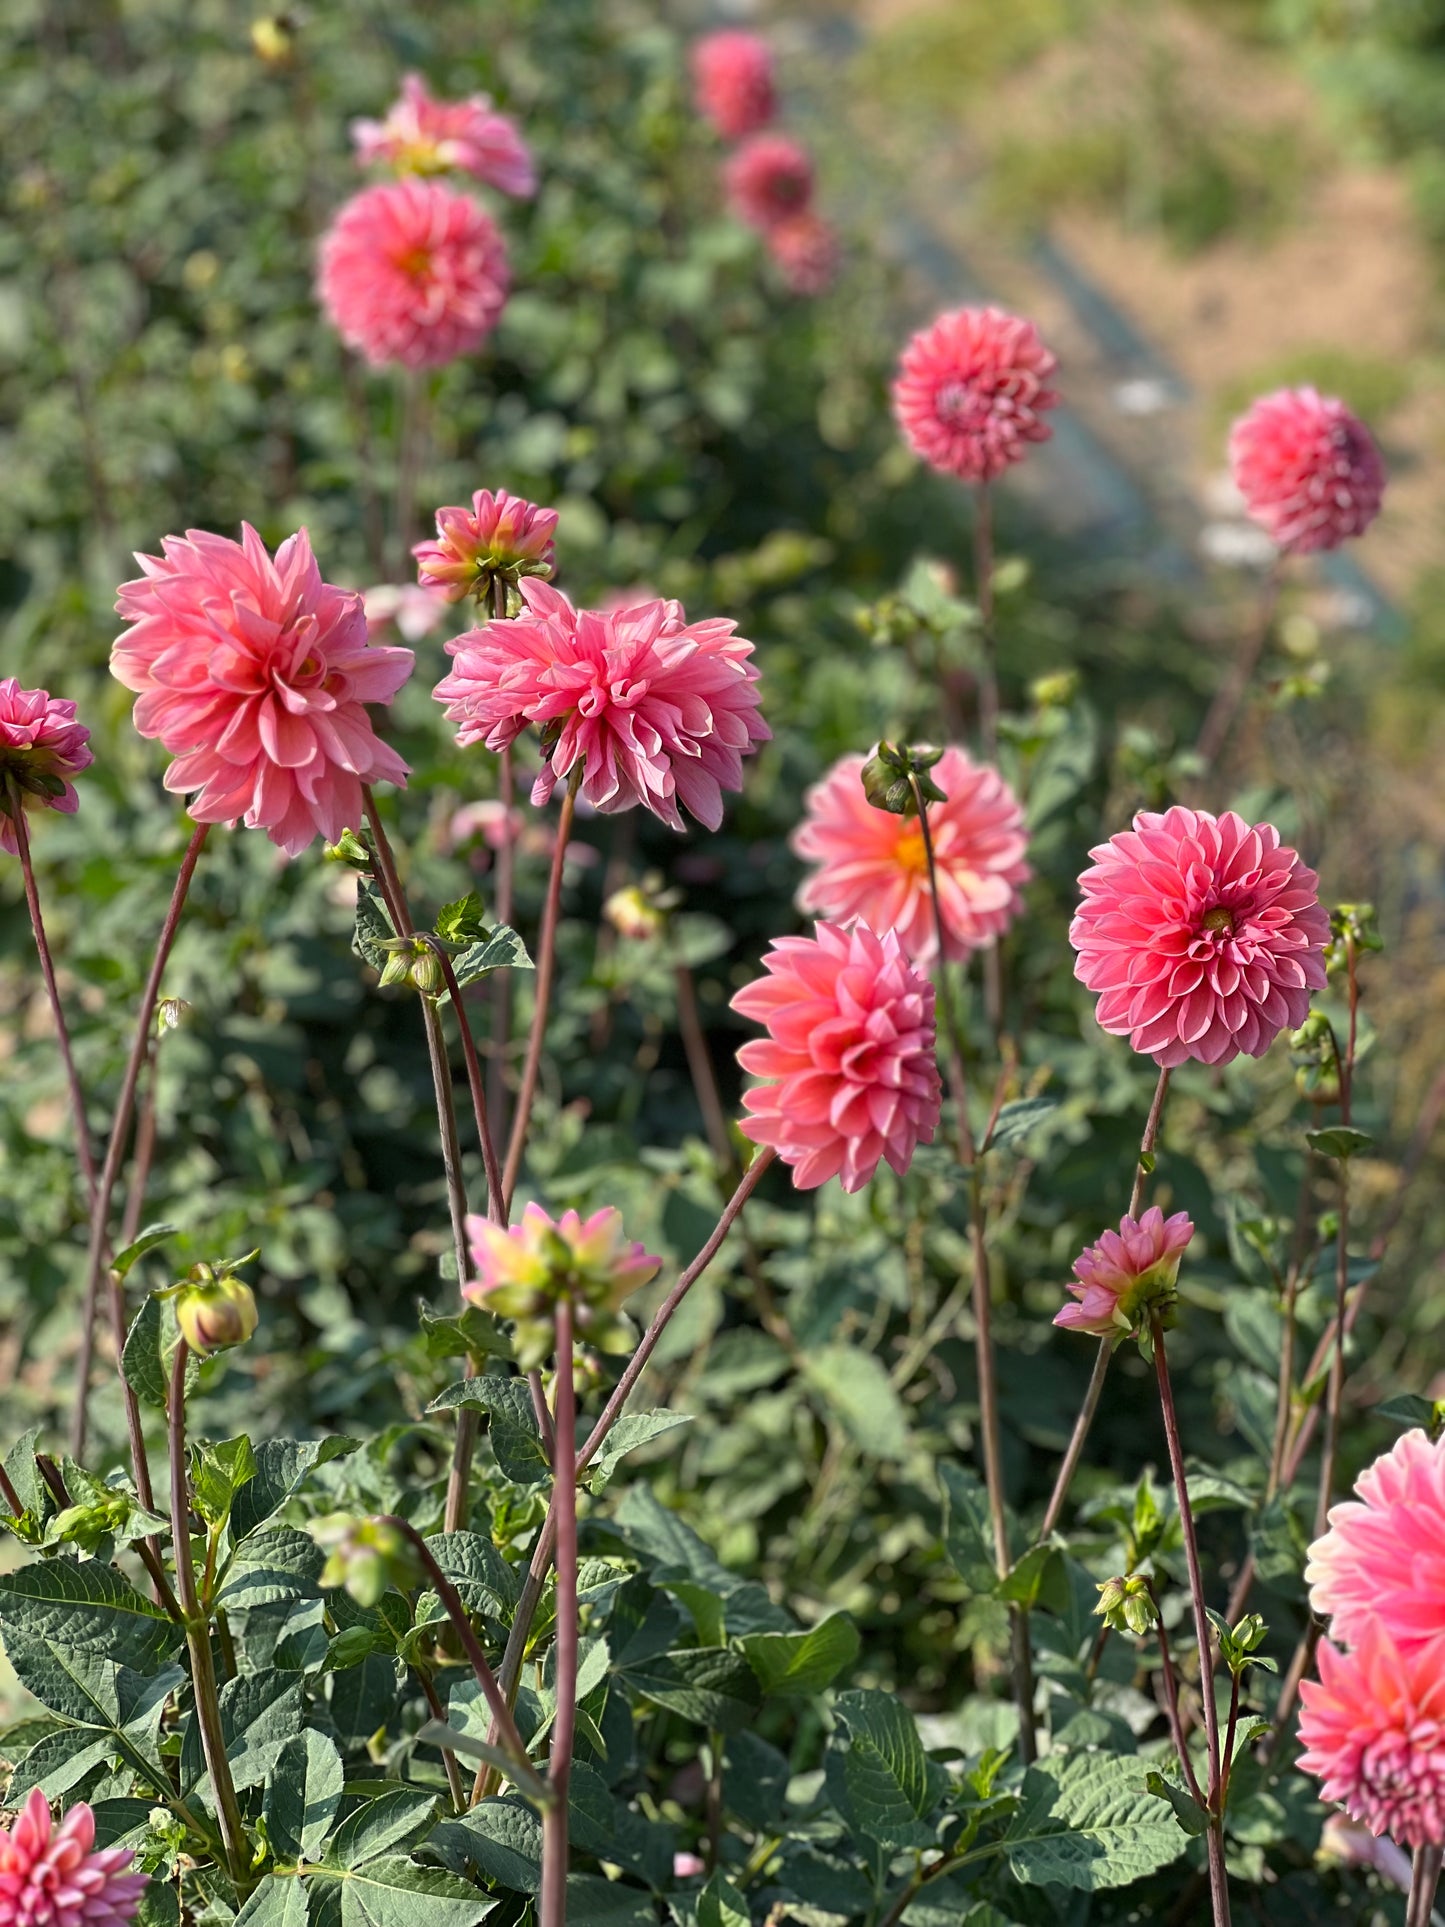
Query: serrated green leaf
(632,1430)
(396,1892)
(282,1467)
(1090,1822)
(501,1839)
(24,1474)
(86,1606)
(59,1762)
(153,1235)
(472,1331)
(1339,1141)
(1017,1122)
(463,920)
(878,1772)
(217,1474)
(502,950)
(967,1535)
(721,1905)
(380,1826)
(856,1388)
(607,1903)
(279,1901)
(709,1685)
(803,1663)
(303,1792)
(373,929)
(141,1359)
(269,1566)
(516,1442)
(1409,1409)
(260,1712)
(1187,1810)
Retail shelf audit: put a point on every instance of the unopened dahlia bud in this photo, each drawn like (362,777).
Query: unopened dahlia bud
(631,915)
(273,36)
(1127,1605)
(171,1013)
(214,1308)
(1055,691)
(348,848)
(87,1525)
(889,774)
(366,1556)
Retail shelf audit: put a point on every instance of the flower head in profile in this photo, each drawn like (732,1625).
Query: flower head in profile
(42,747)
(423,135)
(1383,1557)
(1308,469)
(51,1876)
(850,1056)
(732,78)
(1373,1730)
(524,1269)
(654,709)
(1202,936)
(972,390)
(1128,1275)
(413,273)
(767,180)
(804,249)
(500,535)
(255,674)
(871,864)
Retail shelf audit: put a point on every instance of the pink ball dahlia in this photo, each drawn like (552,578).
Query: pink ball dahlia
(659,711)
(254,674)
(1126,1274)
(50,1877)
(851,1051)
(732,78)
(769,179)
(413,272)
(804,249)
(1373,1728)
(971,392)
(1202,936)
(499,534)
(41,747)
(1383,1557)
(872,865)
(1309,470)
(423,135)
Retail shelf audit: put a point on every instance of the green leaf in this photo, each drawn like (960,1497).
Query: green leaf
(282,1467)
(595,1902)
(516,1442)
(396,1892)
(303,1792)
(1187,1810)
(373,929)
(631,1430)
(967,1535)
(99,1699)
(1409,1409)
(269,1566)
(480,1574)
(472,1331)
(24,1474)
(59,1762)
(380,1825)
(1018,1121)
(463,920)
(721,1905)
(142,1360)
(856,1387)
(260,1712)
(710,1686)
(502,950)
(1339,1141)
(1090,1822)
(86,1606)
(500,1838)
(153,1235)
(878,1773)
(279,1901)
(1064,766)
(803,1663)
(663,1539)
(217,1474)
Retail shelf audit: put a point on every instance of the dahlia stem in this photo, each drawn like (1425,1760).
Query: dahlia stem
(699,1064)
(501,986)
(1335,1394)
(198,1640)
(952,1040)
(496,1209)
(1424,1882)
(983,596)
(553,1911)
(110,1172)
(456,1785)
(1171,1699)
(411,441)
(1223,712)
(510,1670)
(1300,1254)
(1218,1880)
(546,970)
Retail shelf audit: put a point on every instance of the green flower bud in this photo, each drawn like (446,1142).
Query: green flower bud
(348,848)
(215,1309)
(366,1556)
(1127,1605)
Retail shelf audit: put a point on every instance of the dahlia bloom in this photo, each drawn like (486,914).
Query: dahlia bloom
(1127,1274)
(971,392)
(50,1877)
(732,78)
(254,674)
(41,747)
(851,1051)
(423,135)
(1308,469)
(872,865)
(499,534)
(657,710)
(522,1271)
(1383,1558)
(1202,936)
(767,180)
(413,272)
(804,250)
(1373,1728)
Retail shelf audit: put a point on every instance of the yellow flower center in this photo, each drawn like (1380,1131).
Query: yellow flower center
(910,852)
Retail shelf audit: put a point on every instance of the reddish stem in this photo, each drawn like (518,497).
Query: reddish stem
(546,970)
(564,1506)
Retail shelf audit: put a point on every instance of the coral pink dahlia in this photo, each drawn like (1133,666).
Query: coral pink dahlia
(1309,470)
(1127,1274)
(50,1877)
(1383,1557)
(732,77)
(523,1270)
(656,710)
(499,534)
(804,249)
(872,864)
(254,674)
(41,747)
(414,273)
(1373,1728)
(423,135)
(850,1052)
(1202,936)
(769,179)
(971,392)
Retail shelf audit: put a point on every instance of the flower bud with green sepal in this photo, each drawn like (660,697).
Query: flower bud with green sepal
(891,772)
(366,1556)
(1127,1605)
(214,1309)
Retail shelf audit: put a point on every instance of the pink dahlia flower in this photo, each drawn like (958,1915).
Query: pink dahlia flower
(1383,1557)
(971,392)
(1126,1274)
(851,1053)
(732,78)
(872,865)
(522,1272)
(1202,936)
(423,135)
(50,1877)
(499,534)
(804,249)
(1309,470)
(1373,1728)
(254,674)
(769,179)
(658,711)
(413,272)
(41,747)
